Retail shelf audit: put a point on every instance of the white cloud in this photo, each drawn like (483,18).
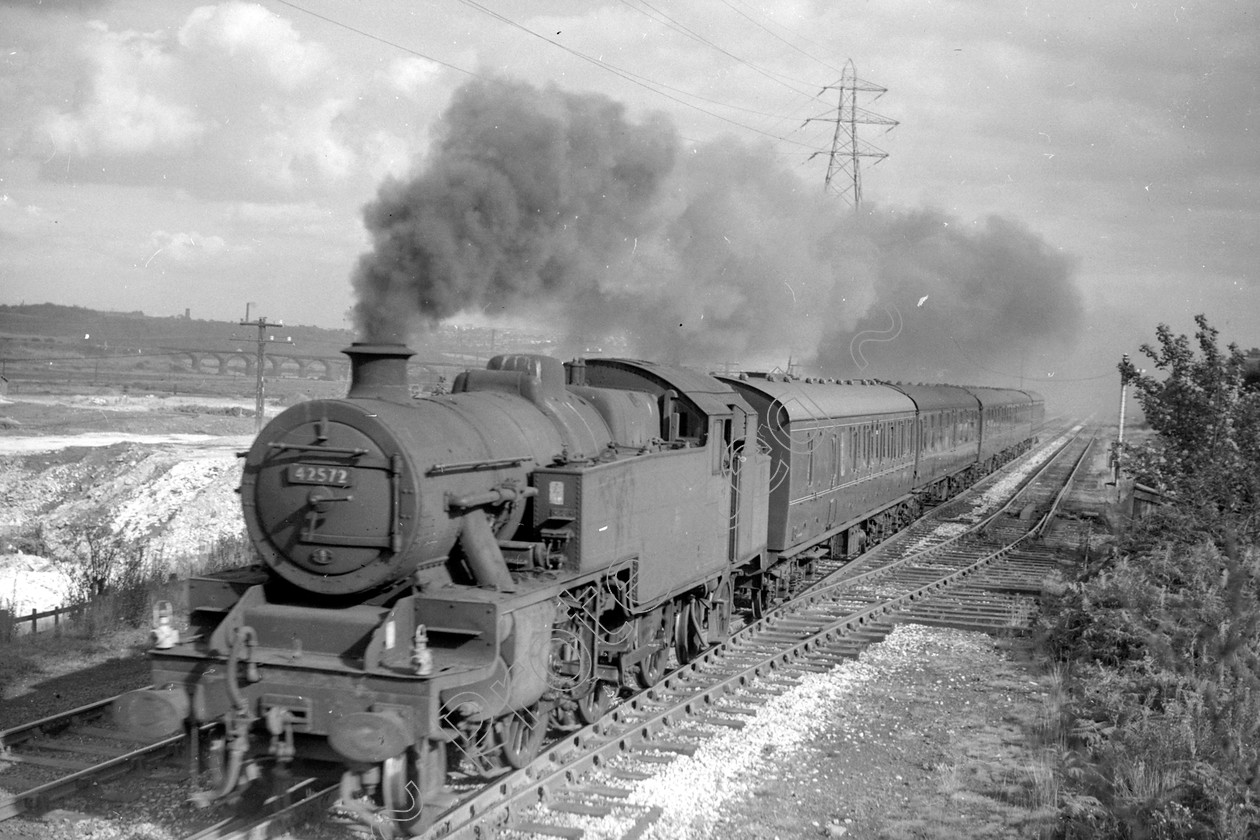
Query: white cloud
(411,75)
(134,103)
(249,35)
(231,103)
(186,247)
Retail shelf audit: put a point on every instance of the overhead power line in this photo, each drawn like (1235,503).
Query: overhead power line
(657,87)
(629,76)
(379,39)
(779,37)
(659,16)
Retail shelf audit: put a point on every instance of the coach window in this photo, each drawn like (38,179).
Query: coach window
(809,465)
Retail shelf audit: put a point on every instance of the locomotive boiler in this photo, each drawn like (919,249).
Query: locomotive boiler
(443,578)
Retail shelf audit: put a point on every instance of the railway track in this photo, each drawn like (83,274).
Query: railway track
(50,758)
(298,803)
(974,564)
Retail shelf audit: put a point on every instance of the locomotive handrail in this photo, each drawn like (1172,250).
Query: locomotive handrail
(354,452)
(474,466)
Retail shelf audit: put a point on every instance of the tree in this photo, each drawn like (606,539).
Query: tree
(90,554)
(1207,421)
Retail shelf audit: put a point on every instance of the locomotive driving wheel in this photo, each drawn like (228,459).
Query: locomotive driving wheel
(718,616)
(689,637)
(759,596)
(595,703)
(522,733)
(401,805)
(652,667)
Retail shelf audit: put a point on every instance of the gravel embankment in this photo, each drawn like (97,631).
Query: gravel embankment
(922,736)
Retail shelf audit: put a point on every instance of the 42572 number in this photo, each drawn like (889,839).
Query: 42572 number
(321,474)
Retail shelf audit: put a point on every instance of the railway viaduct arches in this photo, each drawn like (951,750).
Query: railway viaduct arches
(239,363)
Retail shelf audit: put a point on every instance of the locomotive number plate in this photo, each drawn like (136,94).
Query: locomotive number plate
(321,474)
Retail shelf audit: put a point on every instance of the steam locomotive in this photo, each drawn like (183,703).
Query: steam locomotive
(444,578)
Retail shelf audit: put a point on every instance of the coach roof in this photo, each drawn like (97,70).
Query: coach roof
(1000,396)
(939,397)
(820,401)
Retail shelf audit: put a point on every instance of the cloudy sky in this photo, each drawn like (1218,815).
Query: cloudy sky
(1070,171)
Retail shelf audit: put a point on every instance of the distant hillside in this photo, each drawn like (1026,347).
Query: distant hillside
(115,331)
(48,329)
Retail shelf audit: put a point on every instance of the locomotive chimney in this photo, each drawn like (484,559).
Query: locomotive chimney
(379,371)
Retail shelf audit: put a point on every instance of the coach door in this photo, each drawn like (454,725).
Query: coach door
(737,430)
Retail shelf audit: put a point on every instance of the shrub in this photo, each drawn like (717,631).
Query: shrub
(1207,422)
(228,552)
(110,574)
(1160,640)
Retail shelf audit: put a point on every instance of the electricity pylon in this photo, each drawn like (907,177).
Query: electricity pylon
(844,174)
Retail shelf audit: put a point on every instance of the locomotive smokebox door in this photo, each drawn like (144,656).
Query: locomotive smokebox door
(331,500)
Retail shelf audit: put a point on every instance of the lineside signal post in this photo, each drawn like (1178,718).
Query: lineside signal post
(260,385)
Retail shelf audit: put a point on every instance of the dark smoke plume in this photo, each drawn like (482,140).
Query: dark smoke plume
(528,195)
(961,300)
(557,206)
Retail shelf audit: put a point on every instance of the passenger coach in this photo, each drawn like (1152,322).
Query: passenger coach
(842,459)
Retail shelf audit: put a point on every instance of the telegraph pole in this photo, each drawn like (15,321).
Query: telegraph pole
(1124,389)
(1126,373)
(260,384)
